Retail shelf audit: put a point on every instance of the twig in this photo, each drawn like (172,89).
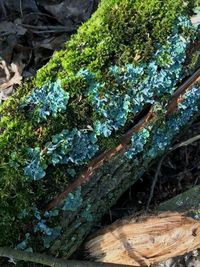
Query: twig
(3,8)
(38,13)
(48,28)
(155,181)
(20,7)
(49,260)
(184,143)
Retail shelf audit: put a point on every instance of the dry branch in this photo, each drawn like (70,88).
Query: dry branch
(48,260)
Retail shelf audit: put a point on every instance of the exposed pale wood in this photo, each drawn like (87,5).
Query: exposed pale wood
(146,241)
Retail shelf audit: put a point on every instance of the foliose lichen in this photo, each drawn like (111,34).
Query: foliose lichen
(46,101)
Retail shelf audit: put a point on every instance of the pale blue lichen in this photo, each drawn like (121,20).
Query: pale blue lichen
(73,201)
(47,101)
(187,108)
(138,142)
(24,244)
(48,239)
(35,168)
(87,214)
(163,133)
(51,213)
(144,83)
(74,146)
(48,234)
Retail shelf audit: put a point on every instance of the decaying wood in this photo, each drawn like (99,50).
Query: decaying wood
(181,90)
(145,241)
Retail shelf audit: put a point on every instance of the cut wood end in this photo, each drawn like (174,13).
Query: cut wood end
(149,240)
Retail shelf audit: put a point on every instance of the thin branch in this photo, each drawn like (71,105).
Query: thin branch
(48,28)
(3,8)
(155,181)
(49,260)
(185,143)
(20,7)
(38,13)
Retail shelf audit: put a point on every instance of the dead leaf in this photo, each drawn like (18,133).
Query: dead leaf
(12,75)
(7,27)
(70,12)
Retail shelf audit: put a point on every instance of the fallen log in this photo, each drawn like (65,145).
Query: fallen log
(98,186)
(93,120)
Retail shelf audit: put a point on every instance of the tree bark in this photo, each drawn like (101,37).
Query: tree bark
(187,202)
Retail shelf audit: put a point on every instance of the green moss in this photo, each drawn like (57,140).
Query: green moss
(194,61)
(119,32)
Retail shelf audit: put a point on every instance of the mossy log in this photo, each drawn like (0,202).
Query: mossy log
(93,120)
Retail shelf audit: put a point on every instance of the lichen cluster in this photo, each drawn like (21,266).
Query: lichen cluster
(152,141)
(46,101)
(143,84)
(84,98)
(148,143)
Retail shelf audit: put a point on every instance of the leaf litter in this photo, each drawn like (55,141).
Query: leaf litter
(30,31)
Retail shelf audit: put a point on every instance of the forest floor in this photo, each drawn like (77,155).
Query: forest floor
(29,34)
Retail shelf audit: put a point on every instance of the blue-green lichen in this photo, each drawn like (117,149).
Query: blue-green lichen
(162,134)
(73,201)
(47,101)
(138,142)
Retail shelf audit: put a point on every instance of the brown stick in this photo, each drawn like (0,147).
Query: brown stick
(49,260)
